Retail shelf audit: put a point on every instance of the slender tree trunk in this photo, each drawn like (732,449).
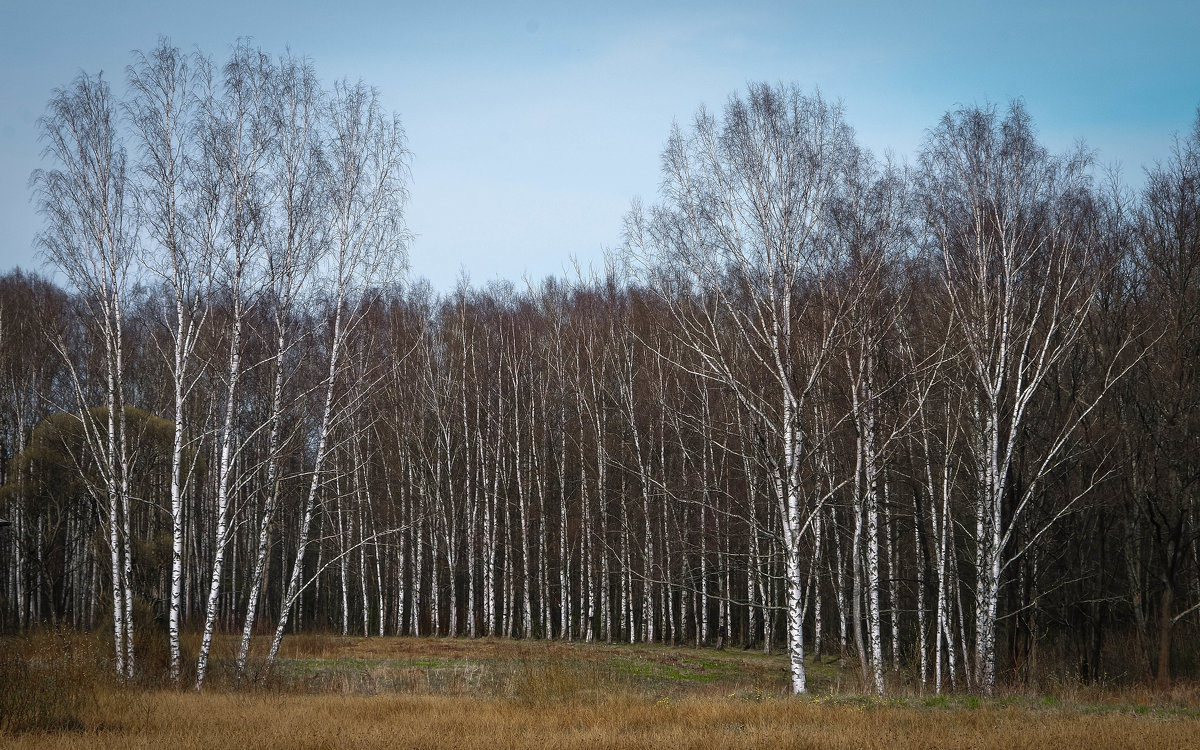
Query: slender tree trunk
(1163,672)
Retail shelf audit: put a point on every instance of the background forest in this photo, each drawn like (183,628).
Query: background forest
(941,419)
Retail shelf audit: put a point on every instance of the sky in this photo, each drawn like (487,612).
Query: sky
(534,125)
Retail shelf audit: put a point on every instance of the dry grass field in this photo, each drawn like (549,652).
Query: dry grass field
(450,693)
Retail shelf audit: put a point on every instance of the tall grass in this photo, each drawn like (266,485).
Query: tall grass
(56,691)
(184,720)
(48,681)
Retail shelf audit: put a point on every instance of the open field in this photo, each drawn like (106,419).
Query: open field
(444,693)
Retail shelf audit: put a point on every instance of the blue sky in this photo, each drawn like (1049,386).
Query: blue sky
(533,125)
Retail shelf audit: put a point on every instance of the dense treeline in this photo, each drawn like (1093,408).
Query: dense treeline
(939,419)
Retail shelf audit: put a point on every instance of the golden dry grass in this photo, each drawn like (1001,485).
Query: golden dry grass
(458,693)
(184,720)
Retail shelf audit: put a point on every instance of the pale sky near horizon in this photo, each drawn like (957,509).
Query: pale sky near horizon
(533,125)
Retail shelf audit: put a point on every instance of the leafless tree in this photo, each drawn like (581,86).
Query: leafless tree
(1014,232)
(740,253)
(160,109)
(236,133)
(1162,405)
(367,192)
(89,237)
(295,241)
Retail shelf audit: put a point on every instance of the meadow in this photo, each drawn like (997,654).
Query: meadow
(334,692)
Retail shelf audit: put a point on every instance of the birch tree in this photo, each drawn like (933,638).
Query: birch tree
(236,133)
(160,109)
(367,191)
(89,237)
(1012,229)
(742,228)
(870,224)
(295,237)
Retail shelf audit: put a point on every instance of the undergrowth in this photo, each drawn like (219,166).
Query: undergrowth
(48,681)
(61,681)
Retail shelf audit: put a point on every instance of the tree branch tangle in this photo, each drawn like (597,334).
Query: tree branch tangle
(936,421)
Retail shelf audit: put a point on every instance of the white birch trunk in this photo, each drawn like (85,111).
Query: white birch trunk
(224,477)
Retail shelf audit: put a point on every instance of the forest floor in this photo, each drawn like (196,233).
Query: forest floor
(335,692)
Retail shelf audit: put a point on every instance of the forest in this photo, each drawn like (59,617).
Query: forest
(939,420)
